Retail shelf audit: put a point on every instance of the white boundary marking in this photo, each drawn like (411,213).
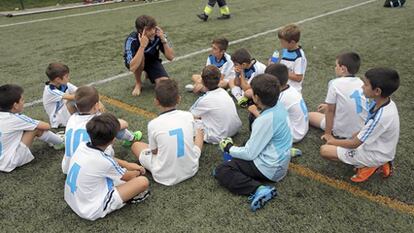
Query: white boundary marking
(231,43)
(82,14)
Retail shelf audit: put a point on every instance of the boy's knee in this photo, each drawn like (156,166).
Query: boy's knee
(143,181)
(325,151)
(248,93)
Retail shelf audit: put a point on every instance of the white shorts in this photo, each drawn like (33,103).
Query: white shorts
(112,202)
(60,118)
(22,156)
(358,157)
(145,159)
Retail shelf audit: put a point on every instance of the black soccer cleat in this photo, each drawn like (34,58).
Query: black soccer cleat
(203,16)
(224,17)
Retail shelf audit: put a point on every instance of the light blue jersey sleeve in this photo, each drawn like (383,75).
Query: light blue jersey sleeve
(261,135)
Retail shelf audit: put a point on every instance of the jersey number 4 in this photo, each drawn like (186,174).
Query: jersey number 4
(72,177)
(180,140)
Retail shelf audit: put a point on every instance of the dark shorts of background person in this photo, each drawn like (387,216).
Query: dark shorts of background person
(154,69)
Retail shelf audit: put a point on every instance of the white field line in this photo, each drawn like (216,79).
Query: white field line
(231,43)
(82,14)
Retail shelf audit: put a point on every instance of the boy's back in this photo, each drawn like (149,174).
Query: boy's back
(296,62)
(297,111)
(172,133)
(218,114)
(54,104)
(90,182)
(12,127)
(351,105)
(269,143)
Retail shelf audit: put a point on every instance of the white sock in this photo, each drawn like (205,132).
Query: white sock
(125,134)
(50,137)
(237,92)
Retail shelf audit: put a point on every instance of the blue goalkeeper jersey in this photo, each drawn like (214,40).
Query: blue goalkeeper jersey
(269,143)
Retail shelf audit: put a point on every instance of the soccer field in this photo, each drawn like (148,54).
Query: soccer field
(315,196)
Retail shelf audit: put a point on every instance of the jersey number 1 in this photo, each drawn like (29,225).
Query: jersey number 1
(180,141)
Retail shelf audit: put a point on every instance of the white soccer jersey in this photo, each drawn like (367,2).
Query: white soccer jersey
(75,134)
(225,65)
(296,62)
(256,69)
(90,182)
(351,105)
(172,133)
(379,136)
(55,105)
(297,112)
(218,114)
(12,127)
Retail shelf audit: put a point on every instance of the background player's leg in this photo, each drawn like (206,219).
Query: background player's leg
(208,9)
(224,10)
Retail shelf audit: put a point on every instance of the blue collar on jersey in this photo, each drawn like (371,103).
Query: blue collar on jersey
(152,44)
(216,63)
(62,87)
(248,72)
(167,111)
(372,112)
(89,144)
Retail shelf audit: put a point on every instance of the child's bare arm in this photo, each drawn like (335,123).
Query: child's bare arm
(329,118)
(130,175)
(253,110)
(68,97)
(295,77)
(346,143)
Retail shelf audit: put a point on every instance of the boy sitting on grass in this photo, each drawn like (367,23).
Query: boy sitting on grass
(266,155)
(374,147)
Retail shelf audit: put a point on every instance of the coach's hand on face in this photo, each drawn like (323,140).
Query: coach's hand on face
(143,39)
(159,32)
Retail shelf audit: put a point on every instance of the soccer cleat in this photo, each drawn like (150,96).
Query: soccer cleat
(189,87)
(363,174)
(295,152)
(203,17)
(224,16)
(61,145)
(137,137)
(140,197)
(387,170)
(262,195)
(243,102)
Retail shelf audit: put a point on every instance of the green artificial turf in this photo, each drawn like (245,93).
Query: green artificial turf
(31,197)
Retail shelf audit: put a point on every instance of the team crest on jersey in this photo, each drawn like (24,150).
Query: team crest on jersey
(351,153)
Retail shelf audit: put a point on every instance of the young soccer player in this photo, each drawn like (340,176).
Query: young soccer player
(345,107)
(221,60)
(172,154)
(246,69)
(88,106)
(224,10)
(18,131)
(292,55)
(375,145)
(216,109)
(292,101)
(58,95)
(96,184)
(142,51)
(266,155)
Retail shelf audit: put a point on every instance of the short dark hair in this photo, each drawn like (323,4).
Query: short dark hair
(9,95)
(385,79)
(267,88)
(166,92)
(85,98)
(241,56)
(144,21)
(289,33)
(221,42)
(102,129)
(350,60)
(56,70)
(280,71)
(211,77)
